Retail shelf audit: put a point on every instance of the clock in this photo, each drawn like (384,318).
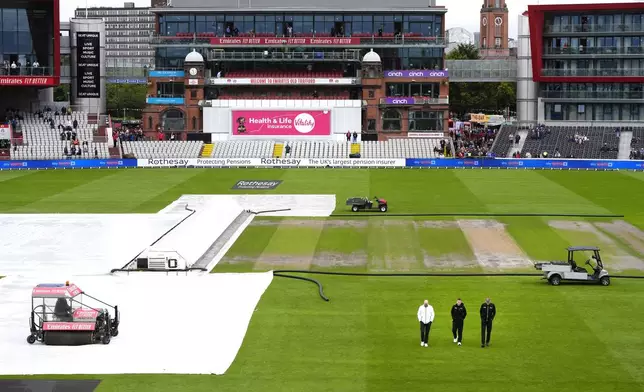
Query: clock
(498,21)
(484,21)
(193,71)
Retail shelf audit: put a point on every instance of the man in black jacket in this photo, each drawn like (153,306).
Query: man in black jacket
(458,318)
(488,311)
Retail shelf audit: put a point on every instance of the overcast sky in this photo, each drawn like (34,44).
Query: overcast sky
(461,13)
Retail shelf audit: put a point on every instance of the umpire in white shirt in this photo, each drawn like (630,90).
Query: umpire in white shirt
(426,318)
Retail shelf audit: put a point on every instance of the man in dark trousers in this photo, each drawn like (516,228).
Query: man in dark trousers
(488,311)
(458,318)
(426,318)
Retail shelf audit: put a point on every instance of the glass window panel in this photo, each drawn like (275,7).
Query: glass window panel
(24,42)
(10,19)
(10,42)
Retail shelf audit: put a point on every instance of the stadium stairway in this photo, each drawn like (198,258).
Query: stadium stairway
(518,147)
(278,150)
(206,150)
(114,152)
(625,139)
(355,148)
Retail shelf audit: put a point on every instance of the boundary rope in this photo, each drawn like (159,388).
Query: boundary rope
(282,273)
(518,215)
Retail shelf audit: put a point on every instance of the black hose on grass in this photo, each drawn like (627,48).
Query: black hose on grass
(320,289)
(405,274)
(519,215)
(268,211)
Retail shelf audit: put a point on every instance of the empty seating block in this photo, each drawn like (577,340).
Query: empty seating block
(560,138)
(401,148)
(243,149)
(40,141)
(163,149)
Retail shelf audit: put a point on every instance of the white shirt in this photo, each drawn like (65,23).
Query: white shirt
(426,314)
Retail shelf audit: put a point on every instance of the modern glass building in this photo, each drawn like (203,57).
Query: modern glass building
(29,42)
(588,61)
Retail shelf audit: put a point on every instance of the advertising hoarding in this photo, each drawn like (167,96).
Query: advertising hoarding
(283,81)
(288,123)
(420,73)
(88,64)
(273,41)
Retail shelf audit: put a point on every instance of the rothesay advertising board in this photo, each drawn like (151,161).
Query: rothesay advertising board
(269,162)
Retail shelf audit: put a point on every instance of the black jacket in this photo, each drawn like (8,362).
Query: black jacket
(488,312)
(459,312)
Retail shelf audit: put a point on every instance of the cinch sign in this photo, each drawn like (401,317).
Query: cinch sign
(400,101)
(421,73)
(273,41)
(27,81)
(281,123)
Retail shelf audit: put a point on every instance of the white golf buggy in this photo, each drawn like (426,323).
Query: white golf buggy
(556,271)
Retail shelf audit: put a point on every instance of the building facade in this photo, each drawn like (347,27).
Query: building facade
(588,61)
(29,43)
(128,30)
(380,72)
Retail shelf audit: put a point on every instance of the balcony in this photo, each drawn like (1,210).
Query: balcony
(610,51)
(346,56)
(598,29)
(581,72)
(593,95)
(408,101)
(209,40)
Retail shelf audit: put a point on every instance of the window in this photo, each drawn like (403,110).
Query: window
(372,94)
(497,43)
(371,125)
(194,123)
(391,120)
(429,120)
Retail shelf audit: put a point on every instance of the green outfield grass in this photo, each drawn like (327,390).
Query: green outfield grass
(572,338)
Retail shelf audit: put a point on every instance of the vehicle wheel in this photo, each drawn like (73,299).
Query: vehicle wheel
(106,339)
(383,208)
(31,339)
(555,280)
(115,333)
(354,208)
(605,280)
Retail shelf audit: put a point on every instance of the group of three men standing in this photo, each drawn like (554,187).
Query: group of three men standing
(426,318)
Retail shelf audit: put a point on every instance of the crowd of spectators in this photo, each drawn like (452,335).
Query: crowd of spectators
(473,142)
(636,153)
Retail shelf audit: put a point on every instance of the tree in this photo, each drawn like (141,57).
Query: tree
(61,93)
(126,100)
(463,52)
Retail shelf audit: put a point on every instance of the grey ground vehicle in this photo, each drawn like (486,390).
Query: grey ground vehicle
(364,203)
(556,271)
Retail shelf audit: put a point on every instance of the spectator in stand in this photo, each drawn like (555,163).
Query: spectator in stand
(75,124)
(95,153)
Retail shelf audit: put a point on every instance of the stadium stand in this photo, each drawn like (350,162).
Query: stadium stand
(637,143)
(41,141)
(319,149)
(502,143)
(402,148)
(572,142)
(243,149)
(163,149)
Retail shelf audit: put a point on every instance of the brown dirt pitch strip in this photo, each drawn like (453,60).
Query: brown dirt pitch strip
(492,245)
